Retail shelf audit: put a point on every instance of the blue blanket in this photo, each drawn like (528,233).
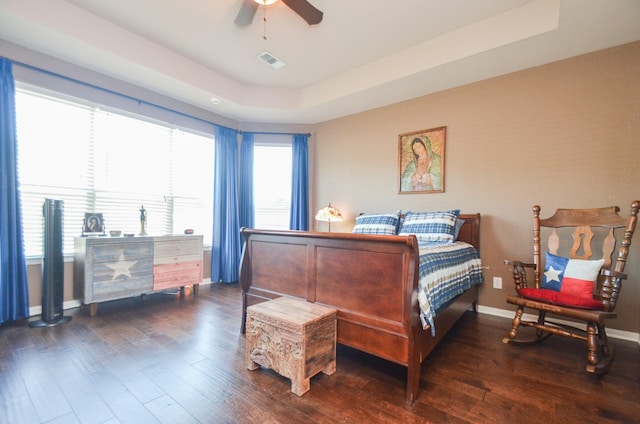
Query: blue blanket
(446,270)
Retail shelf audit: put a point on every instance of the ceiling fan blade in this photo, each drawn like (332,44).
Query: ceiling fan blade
(246,13)
(306,11)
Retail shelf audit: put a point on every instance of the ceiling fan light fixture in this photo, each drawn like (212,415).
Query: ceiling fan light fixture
(302,8)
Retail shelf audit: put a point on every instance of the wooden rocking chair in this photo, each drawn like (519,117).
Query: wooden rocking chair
(571,285)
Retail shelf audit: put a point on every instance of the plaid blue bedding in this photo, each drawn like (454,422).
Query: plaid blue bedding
(446,270)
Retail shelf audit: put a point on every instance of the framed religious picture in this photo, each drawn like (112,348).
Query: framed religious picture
(421,161)
(93,224)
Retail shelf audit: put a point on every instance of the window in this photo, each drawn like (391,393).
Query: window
(272,164)
(109,163)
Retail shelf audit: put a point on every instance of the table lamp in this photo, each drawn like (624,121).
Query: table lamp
(329,214)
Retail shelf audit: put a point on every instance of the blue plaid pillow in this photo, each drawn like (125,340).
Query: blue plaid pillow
(385,223)
(431,226)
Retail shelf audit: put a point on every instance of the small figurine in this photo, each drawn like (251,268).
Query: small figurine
(143,221)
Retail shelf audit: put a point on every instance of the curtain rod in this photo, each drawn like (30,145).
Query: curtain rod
(273,133)
(116,93)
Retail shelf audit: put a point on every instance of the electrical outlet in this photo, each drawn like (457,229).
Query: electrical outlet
(497,282)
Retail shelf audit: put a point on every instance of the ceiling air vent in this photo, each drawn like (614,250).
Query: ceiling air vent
(271,60)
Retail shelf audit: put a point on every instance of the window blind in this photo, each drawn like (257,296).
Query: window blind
(110,163)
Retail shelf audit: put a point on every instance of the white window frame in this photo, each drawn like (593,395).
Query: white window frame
(272,213)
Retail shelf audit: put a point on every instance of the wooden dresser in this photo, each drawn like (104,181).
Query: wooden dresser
(110,268)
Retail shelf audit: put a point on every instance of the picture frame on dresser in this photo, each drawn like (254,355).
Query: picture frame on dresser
(93,224)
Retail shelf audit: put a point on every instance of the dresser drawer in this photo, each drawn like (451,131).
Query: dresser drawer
(123,269)
(106,289)
(177,249)
(114,252)
(167,276)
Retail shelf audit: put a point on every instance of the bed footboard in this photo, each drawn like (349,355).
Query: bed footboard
(371,280)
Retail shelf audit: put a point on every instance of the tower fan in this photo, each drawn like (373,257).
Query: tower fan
(52,266)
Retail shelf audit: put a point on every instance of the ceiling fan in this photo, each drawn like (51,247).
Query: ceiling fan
(302,7)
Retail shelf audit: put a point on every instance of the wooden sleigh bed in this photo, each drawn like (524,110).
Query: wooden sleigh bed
(372,281)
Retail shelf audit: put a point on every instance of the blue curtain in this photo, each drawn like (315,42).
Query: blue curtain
(247,212)
(299,217)
(225,248)
(14,292)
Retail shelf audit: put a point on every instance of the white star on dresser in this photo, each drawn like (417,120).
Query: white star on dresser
(122,267)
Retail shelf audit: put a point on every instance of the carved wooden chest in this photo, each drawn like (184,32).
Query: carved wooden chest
(295,338)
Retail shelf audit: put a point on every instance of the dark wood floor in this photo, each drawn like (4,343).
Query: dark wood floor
(181,360)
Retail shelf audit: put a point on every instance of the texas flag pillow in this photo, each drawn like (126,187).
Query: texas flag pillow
(574,277)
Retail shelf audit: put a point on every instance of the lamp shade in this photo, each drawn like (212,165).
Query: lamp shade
(329,214)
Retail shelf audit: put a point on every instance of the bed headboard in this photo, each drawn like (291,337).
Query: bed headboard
(470,231)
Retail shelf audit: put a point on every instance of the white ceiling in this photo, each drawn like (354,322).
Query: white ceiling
(364,54)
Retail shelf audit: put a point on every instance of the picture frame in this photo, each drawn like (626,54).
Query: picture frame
(93,224)
(421,159)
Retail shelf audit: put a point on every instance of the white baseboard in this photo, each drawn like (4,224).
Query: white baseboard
(69,304)
(75,303)
(613,333)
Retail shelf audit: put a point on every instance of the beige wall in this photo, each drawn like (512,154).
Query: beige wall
(561,135)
